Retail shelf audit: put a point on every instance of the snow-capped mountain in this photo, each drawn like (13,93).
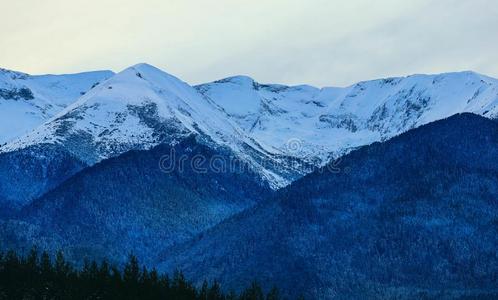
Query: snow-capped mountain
(142,107)
(282,131)
(322,123)
(27,101)
(70,185)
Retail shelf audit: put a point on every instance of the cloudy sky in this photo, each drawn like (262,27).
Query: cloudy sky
(319,42)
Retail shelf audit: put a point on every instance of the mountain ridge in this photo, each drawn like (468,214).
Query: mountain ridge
(142,206)
(284,132)
(412,216)
(27,101)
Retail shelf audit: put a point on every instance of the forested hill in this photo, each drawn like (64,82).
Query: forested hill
(135,203)
(411,217)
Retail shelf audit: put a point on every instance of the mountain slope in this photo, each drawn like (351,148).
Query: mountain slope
(282,132)
(138,108)
(134,203)
(414,216)
(26,101)
(328,122)
(30,172)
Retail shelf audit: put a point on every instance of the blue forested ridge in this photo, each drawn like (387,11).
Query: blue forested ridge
(128,204)
(412,217)
(416,216)
(29,173)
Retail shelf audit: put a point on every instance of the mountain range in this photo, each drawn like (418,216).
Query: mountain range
(283,132)
(412,217)
(385,188)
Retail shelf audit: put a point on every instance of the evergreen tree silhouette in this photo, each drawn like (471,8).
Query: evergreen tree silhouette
(254,292)
(39,277)
(273,294)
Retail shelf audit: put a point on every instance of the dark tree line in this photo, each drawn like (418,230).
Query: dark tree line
(36,276)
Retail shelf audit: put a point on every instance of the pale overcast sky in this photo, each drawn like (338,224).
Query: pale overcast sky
(318,42)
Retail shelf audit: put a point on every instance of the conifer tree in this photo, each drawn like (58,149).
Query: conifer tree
(273,294)
(40,277)
(254,292)
(203,293)
(215,292)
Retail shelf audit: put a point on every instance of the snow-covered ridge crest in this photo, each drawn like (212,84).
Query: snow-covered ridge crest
(115,104)
(139,108)
(330,121)
(264,124)
(27,101)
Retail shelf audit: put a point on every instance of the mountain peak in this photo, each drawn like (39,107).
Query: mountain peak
(146,69)
(154,77)
(242,80)
(143,65)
